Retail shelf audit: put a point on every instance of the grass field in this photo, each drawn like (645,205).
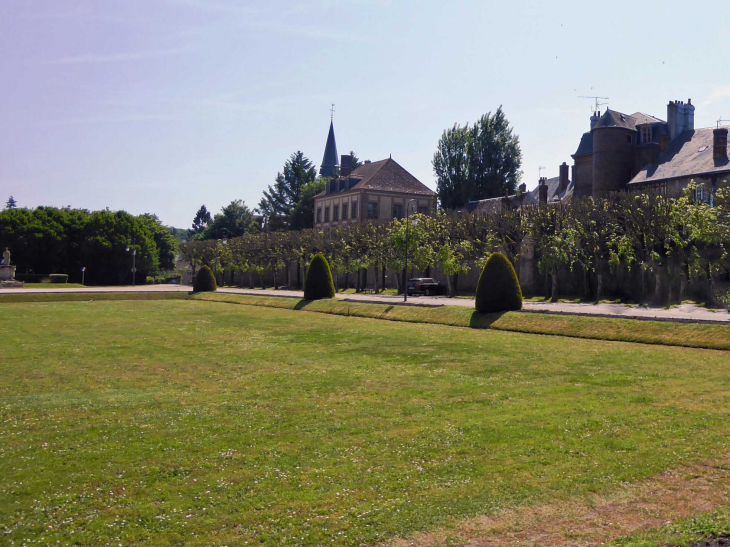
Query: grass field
(203,423)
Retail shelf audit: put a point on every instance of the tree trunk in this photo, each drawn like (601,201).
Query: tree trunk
(377,269)
(450,286)
(711,299)
(250,280)
(276,280)
(288,275)
(299,275)
(364,283)
(347,279)
(455,283)
(587,285)
(599,286)
(263,283)
(554,292)
(383,282)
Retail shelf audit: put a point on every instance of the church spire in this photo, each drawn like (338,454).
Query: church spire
(330,161)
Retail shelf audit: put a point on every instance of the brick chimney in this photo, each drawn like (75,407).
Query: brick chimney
(680,117)
(719,144)
(563,177)
(345,165)
(542,191)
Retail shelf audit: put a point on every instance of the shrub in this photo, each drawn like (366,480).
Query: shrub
(204,280)
(59,278)
(498,288)
(319,280)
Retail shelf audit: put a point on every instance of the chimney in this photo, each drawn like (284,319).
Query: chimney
(542,191)
(345,165)
(719,145)
(523,188)
(594,119)
(563,177)
(680,118)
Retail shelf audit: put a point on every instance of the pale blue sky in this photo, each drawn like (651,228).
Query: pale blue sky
(163,105)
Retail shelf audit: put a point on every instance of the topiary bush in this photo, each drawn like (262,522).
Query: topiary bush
(204,280)
(319,280)
(59,278)
(498,288)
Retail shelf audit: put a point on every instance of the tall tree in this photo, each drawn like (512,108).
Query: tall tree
(355,160)
(278,203)
(235,219)
(11,203)
(201,221)
(478,162)
(451,166)
(302,215)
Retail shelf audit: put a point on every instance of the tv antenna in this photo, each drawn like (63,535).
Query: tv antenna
(597,99)
(539,171)
(720,121)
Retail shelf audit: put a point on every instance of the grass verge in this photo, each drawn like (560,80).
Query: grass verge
(17,298)
(705,336)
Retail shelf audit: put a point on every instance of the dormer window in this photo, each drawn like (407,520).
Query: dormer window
(646,134)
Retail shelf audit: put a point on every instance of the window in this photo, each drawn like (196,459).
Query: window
(701,194)
(397,210)
(326,214)
(344,211)
(335,213)
(319,215)
(423,210)
(354,209)
(372,209)
(646,134)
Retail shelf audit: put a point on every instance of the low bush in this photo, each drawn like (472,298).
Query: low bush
(498,289)
(204,280)
(59,278)
(319,280)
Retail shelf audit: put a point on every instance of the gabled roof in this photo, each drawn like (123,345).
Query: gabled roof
(388,176)
(690,153)
(612,118)
(530,198)
(330,160)
(642,119)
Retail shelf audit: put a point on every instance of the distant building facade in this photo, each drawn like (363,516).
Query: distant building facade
(640,153)
(375,191)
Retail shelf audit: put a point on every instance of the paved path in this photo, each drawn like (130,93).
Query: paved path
(685,313)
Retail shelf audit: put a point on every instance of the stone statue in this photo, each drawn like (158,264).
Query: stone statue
(6,257)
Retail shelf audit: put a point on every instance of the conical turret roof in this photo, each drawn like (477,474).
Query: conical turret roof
(330,161)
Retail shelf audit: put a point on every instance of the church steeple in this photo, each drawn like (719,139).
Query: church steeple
(330,161)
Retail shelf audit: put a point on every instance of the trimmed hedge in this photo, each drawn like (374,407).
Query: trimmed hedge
(204,280)
(59,278)
(498,289)
(319,280)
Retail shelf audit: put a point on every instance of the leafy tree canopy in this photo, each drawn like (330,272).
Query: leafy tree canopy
(235,219)
(478,162)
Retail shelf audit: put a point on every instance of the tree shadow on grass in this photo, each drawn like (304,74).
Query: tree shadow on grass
(303,304)
(480,320)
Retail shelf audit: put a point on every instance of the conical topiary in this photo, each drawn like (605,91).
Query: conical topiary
(498,288)
(319,280)
(204,280)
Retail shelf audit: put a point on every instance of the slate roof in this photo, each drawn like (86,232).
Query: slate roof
(612,118)
(690,153)
(586,145)
(642,119)
(330,160)
(530,198)
(388,176)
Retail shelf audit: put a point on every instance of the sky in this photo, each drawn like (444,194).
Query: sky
(161,106)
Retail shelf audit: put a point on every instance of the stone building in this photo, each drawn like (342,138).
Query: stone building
(379,190)
(640,152)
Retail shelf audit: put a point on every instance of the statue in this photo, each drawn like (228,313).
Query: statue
(6,257)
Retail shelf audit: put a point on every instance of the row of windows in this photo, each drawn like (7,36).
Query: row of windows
(336,212)
(373,211)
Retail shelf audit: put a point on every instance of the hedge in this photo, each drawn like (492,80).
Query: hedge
(59,278)
(498,289)
(204,280)
(319,280)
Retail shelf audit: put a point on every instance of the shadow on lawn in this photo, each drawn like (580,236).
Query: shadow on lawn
(480,320)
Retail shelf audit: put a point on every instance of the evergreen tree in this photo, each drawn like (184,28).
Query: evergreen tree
(355,160)
(279,202)
(235,219)
(201,221)
(11,203)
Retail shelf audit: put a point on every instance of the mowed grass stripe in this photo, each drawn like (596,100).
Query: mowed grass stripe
(708,336)
(183,421)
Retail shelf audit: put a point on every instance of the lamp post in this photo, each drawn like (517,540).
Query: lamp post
(134,260)
(405,277)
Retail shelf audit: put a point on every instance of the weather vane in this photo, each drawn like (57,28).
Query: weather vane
(332,112)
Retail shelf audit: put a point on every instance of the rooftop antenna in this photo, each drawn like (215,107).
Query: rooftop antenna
(539,171)
(720,121)
(332,112)
(594,97)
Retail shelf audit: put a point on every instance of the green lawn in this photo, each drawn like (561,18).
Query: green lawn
(203,423)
